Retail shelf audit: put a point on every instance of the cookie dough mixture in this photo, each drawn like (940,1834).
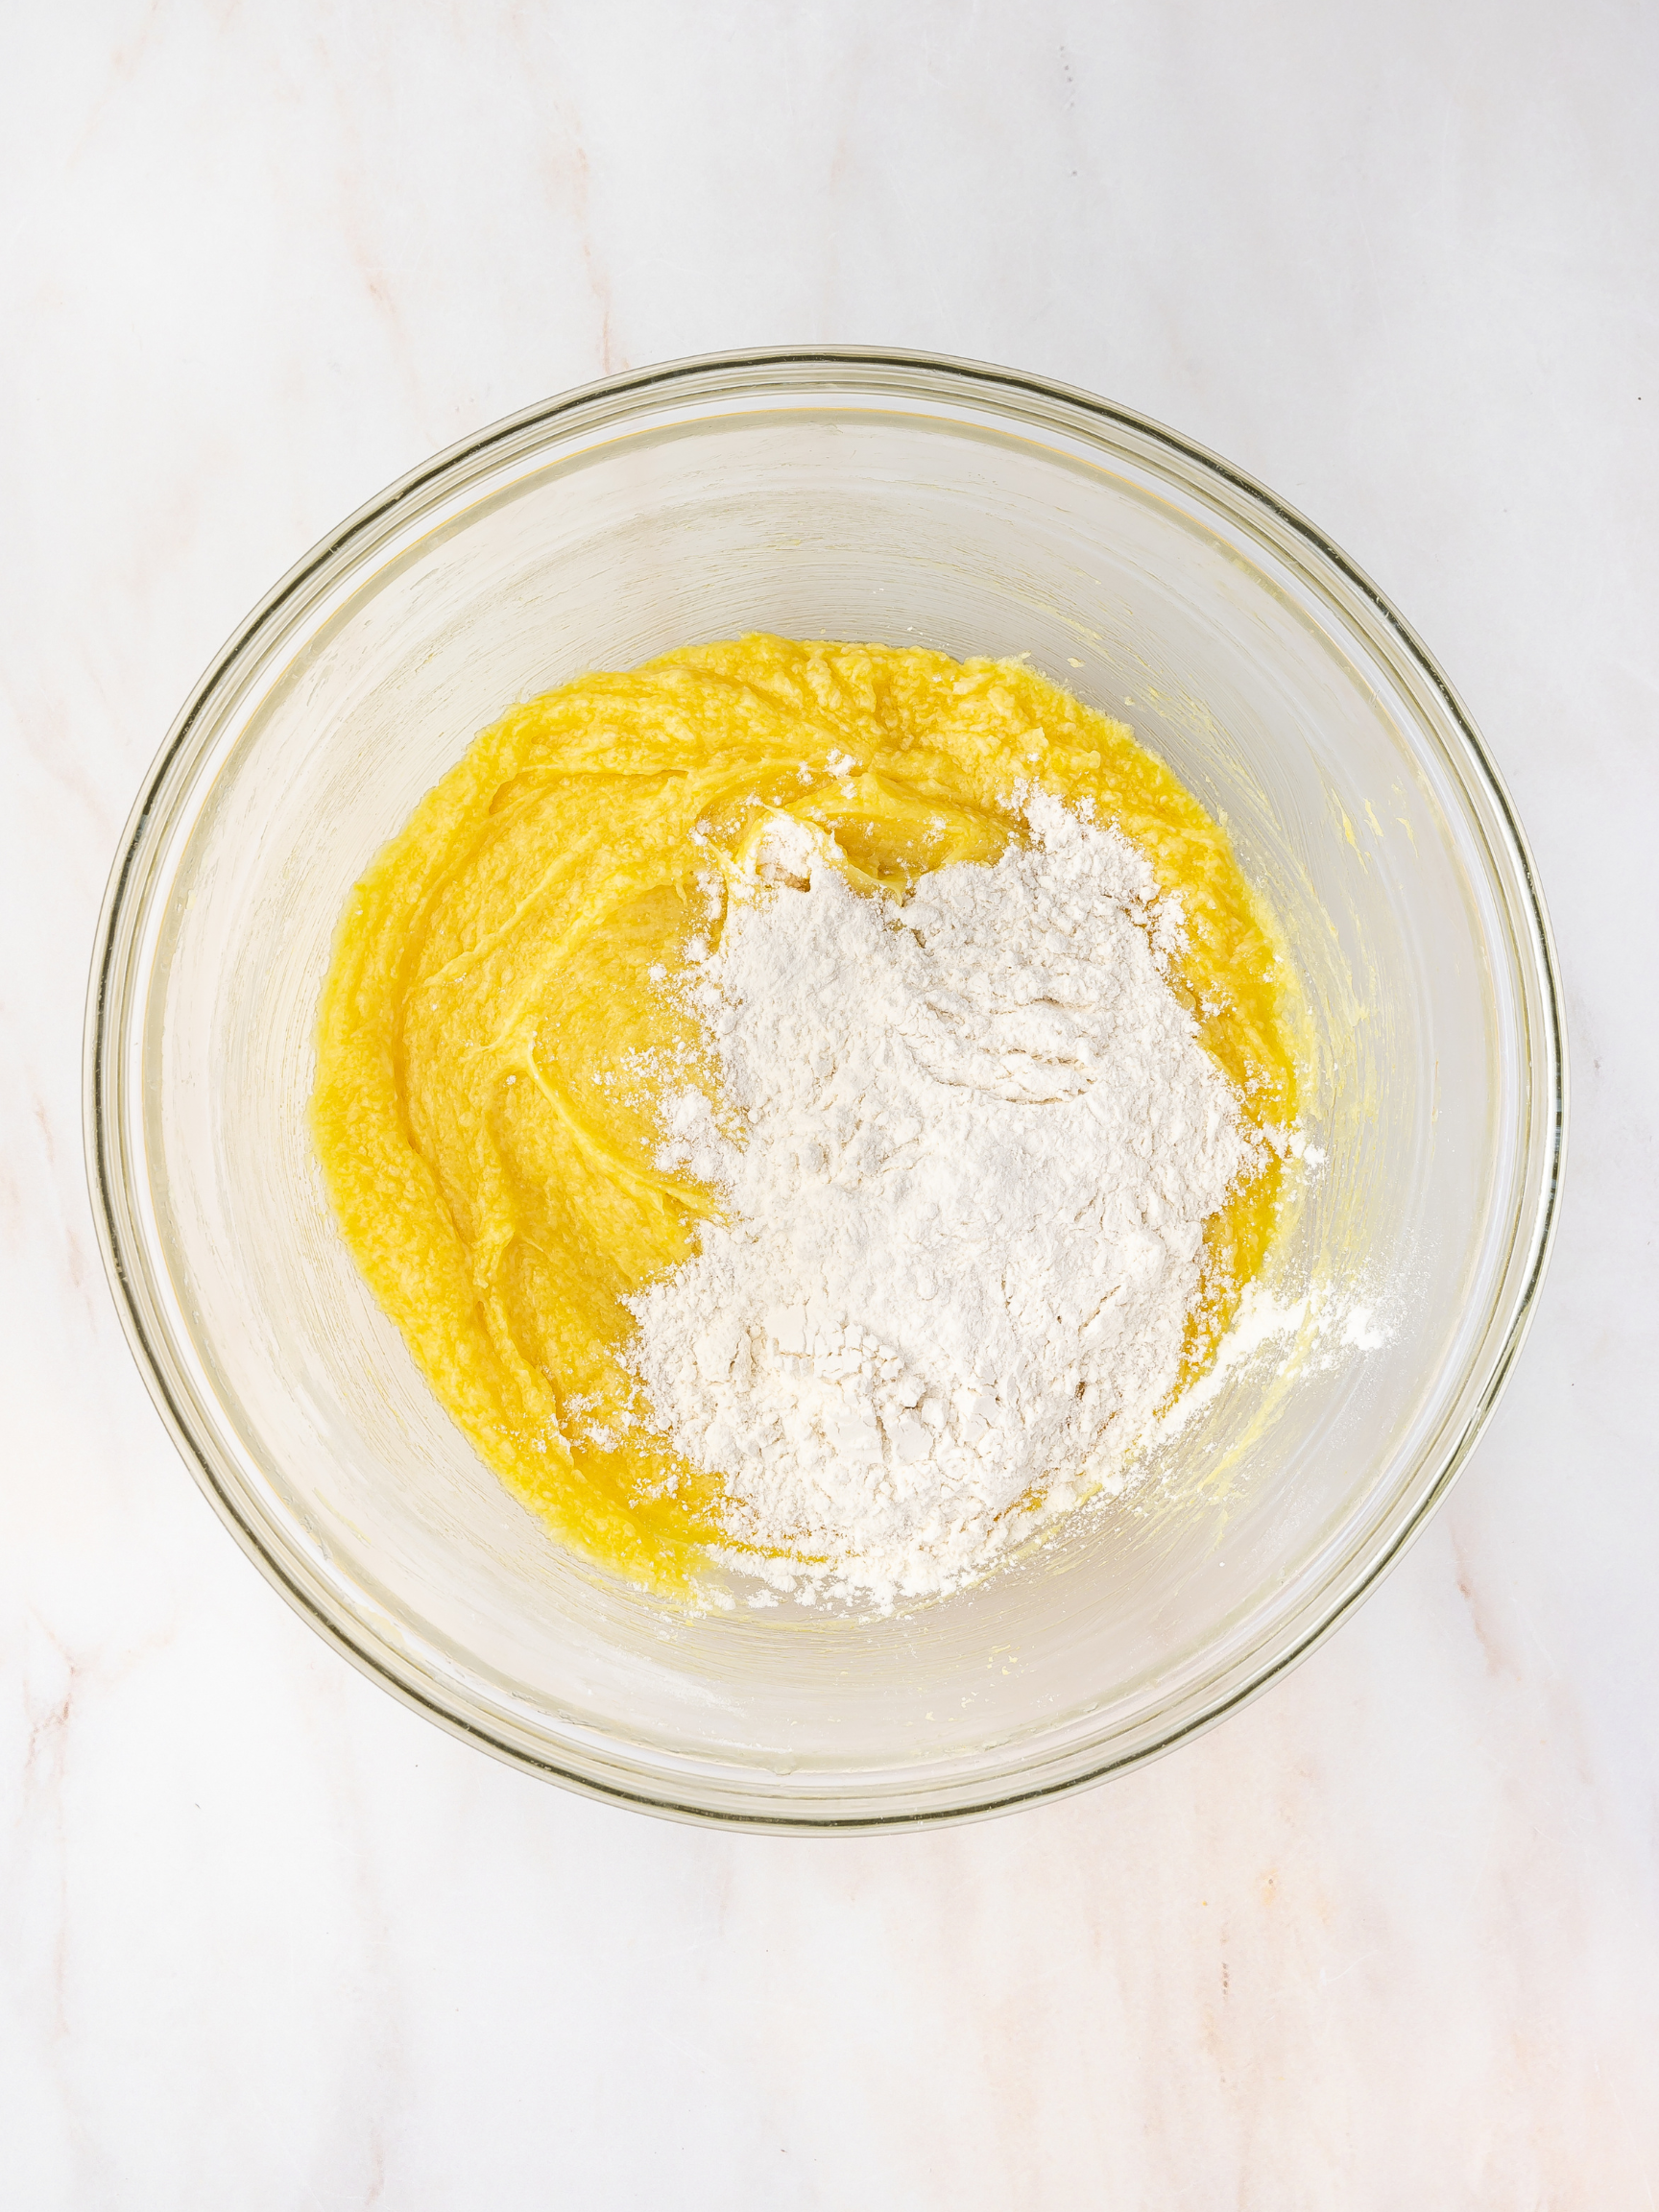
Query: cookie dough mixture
(593,1079)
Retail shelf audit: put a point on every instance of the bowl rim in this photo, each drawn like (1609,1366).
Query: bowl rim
(796,374)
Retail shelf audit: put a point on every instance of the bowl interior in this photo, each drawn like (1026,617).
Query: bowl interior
(929,514)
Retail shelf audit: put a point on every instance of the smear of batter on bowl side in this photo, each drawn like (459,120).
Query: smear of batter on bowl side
(499,1027)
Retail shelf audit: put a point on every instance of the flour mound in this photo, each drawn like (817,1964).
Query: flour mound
(967,1145)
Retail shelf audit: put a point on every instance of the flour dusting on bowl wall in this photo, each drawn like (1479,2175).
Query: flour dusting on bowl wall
(977,514)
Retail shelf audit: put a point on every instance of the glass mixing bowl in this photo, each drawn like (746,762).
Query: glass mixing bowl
(870,495)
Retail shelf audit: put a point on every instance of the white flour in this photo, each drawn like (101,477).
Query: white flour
(976,1141)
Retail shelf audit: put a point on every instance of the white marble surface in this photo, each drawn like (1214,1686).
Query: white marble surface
(1386,1939)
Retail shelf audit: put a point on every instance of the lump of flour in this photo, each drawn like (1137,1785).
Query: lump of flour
(976,1142)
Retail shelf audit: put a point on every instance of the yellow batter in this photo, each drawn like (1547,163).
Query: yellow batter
(478,1109)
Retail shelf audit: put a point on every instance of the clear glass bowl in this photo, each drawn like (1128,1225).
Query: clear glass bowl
(855,495)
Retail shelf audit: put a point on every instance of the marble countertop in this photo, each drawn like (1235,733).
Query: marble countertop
(1388,1938)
